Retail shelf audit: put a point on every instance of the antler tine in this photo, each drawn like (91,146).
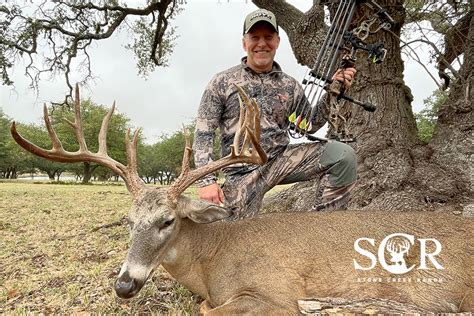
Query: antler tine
(77,124)
(249,125)
(128,173)
(175,190)
(390,246)
(132,180)
(406,245)
(52,133)
(238,133)
(103,131)
(252,123)
(188,151)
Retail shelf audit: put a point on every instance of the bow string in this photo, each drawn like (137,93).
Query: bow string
(318,80)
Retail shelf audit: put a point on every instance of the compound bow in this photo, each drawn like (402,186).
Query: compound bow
(318,79)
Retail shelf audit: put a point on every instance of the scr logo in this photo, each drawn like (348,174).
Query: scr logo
(398,246)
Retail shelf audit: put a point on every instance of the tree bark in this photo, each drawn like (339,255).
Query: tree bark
(51,174)
(87,173)
(396,171)
(88,170)
(58,173)
(452,143)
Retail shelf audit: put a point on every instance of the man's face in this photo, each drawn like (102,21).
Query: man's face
(261,43)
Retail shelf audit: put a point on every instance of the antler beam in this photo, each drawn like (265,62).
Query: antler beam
(128,173)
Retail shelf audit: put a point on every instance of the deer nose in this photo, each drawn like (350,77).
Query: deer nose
(125,286)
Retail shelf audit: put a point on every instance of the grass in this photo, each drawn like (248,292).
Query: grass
(53,261)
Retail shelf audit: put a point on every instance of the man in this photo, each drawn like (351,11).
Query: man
(278,95)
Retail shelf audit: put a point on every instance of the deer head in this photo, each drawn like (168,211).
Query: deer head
(156,213)
(397,251)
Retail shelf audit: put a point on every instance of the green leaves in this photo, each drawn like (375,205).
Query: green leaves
(162,161)
(427,118)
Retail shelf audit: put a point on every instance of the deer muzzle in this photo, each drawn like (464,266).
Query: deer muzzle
(126,286)
(131,279)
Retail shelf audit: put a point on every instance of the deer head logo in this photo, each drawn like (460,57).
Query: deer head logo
(397,246)
(397,249)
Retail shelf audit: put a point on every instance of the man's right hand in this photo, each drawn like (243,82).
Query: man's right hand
(212,193)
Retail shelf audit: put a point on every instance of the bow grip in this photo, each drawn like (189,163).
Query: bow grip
(347,62)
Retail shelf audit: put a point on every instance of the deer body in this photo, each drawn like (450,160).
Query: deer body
(273,260)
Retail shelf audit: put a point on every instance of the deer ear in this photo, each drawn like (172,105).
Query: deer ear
(201,211)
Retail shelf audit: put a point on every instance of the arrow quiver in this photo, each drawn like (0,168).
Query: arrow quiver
(318,85)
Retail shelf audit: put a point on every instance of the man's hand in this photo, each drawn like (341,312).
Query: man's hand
(346,76)
(212,193)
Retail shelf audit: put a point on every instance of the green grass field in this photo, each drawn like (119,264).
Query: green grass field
(53,258)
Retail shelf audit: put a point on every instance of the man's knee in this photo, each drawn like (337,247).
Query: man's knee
(341,162)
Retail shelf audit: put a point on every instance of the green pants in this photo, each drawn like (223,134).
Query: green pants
(333,162)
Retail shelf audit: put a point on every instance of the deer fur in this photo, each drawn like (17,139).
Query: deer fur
(265,264)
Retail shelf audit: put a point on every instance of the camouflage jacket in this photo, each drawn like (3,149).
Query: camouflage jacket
(278,95)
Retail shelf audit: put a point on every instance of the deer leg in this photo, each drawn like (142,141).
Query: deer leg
(204,308)
(248,305)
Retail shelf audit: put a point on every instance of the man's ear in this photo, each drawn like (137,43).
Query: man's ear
(244,45)
(201,211)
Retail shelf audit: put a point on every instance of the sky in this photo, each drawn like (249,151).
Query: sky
(210,33)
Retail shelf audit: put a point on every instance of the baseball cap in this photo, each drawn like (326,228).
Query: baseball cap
(258,16)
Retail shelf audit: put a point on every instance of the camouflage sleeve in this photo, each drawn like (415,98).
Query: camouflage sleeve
(209,115)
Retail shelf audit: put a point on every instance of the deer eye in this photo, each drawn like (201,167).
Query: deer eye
(168,223)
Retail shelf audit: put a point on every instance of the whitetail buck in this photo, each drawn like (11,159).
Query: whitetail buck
(265,264)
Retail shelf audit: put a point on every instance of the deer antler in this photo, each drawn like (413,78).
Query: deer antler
(398,248)
(248,130)
(128,173)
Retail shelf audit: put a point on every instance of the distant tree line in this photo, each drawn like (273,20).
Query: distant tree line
(158,163)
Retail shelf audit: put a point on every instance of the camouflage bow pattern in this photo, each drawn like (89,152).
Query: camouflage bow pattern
(319,78)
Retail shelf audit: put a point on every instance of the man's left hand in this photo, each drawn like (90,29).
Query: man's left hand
(346,76)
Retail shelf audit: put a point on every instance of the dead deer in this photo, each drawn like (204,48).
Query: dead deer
(263,265)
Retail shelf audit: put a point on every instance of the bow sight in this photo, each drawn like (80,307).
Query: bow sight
(339,39)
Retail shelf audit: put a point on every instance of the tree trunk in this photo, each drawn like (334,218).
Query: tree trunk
(59,172)
(87,173)
(88,170)
(395,170)
(51,174)
(13,173)
(452,143)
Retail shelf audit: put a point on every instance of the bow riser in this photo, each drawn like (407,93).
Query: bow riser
(339,41)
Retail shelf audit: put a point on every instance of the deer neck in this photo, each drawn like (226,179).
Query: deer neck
(187,258)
